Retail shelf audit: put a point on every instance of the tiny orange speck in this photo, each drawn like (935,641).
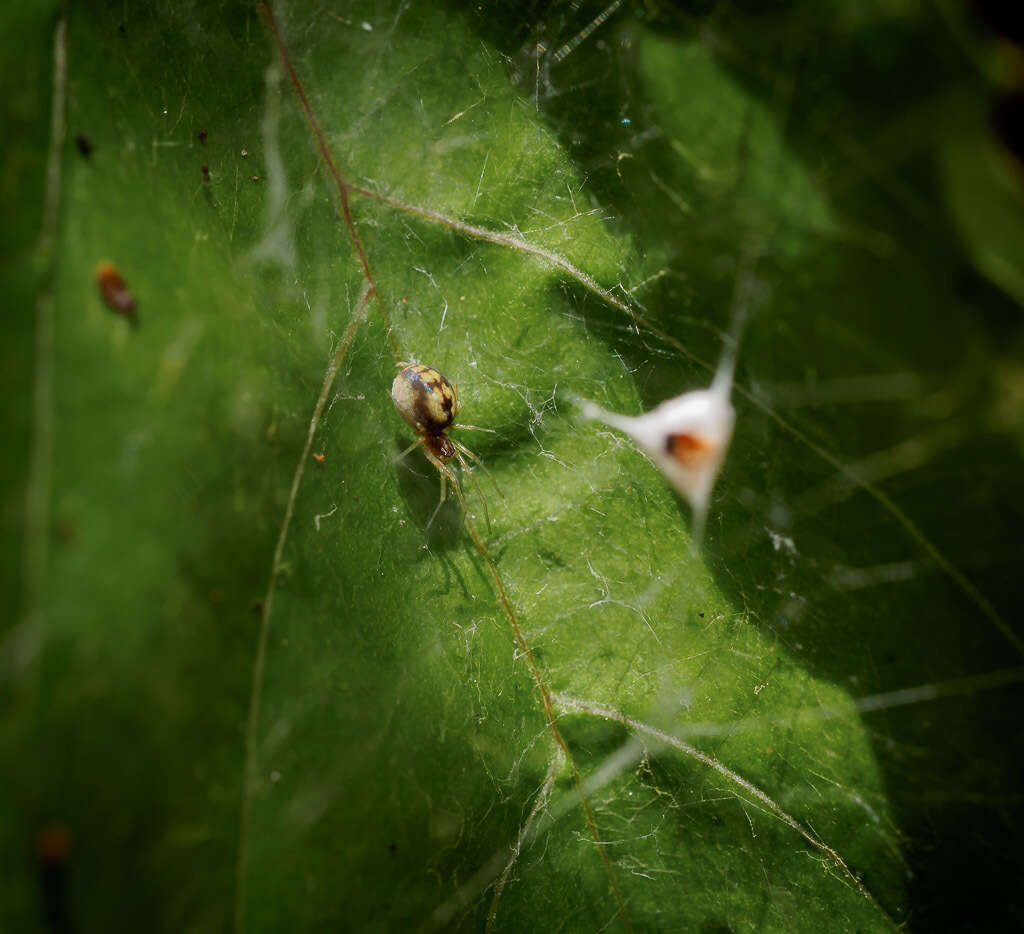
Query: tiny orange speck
(689,450)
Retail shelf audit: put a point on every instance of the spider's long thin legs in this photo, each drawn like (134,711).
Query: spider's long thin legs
(480,493)
(412,447)
(453,480)
(446,474)
(459,446)
(440,503)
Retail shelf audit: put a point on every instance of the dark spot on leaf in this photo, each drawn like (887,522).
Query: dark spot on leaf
(550,558)
(84,144)
(715,927)
(202,136)
(53,845)
(53,848)
(67,532)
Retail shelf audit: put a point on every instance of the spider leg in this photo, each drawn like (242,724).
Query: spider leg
(446,474)
(440,503)
(480,493)
(459,446)
(412,447)
(490,431)
(454,481)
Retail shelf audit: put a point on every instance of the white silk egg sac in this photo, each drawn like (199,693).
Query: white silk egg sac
(686,437)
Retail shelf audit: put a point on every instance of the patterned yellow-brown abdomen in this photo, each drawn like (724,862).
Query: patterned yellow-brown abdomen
(425,399)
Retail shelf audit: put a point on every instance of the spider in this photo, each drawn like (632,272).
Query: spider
(429,403)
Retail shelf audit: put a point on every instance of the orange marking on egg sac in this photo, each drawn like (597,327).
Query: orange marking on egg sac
(688,450)
(114,291)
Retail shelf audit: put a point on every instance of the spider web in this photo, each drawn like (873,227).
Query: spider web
(777,734)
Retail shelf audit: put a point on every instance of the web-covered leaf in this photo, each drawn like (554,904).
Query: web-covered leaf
(258,674)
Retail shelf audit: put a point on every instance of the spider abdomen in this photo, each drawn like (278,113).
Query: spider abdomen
(425,399)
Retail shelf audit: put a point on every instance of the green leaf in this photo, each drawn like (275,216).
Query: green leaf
(251,681)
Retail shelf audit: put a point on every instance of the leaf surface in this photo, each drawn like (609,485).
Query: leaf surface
(262,688)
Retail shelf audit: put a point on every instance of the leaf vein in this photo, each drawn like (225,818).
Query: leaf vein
(568,703)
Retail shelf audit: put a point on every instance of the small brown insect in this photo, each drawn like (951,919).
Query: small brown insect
(205,169)
(114,291)
(84,144)
(429,403)
(202,136)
